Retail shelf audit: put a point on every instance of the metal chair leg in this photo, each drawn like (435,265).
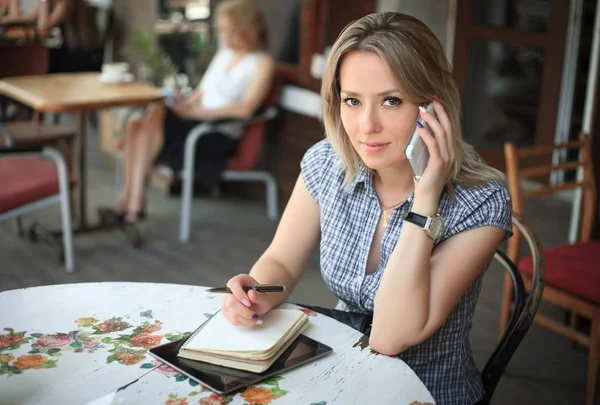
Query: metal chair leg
(187,179)
(65,207)
(271,197)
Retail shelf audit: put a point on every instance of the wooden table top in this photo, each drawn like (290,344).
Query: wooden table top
(18,33)
(68,92)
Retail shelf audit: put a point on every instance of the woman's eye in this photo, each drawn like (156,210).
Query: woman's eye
(392,102)
(351,102)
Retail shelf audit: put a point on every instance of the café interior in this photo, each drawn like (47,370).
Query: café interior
(527,71)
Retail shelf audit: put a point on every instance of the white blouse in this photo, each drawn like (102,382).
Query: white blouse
(221,87)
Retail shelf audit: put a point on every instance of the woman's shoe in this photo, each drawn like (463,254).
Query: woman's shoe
(133,234)
(109,217)
(141,215)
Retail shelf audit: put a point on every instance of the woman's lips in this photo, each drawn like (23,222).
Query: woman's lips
(373,147)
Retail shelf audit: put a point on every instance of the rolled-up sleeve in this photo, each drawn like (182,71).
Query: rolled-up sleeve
(492,209)
(313,166)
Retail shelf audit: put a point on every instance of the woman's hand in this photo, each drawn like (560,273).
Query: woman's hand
(188,111)
(440,144)
(241,308)
(181,110)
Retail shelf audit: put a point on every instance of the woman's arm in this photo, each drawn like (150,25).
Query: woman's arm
(194,99)
(295,241)
(252,100)
(47,20)
(419,290)
(283,262)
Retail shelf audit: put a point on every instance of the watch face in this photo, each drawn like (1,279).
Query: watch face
(436,226)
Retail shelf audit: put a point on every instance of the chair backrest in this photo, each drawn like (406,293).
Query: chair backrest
(25,60)
(19,32)
(584,182)
(248,150)
(525,308)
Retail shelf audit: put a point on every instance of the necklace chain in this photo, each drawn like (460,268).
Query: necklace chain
(384,214)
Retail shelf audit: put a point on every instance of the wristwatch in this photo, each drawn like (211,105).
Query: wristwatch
(431,225)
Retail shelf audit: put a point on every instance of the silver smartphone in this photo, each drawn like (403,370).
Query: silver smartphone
(416,151)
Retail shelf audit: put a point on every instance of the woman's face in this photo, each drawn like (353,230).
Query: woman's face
(373,113)
(231,36)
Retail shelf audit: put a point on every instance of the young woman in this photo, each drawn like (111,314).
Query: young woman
(234,86)
(412,254)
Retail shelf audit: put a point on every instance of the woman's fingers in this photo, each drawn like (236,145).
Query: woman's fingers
(236,286)
(438,133)
(445,122)
(431,143)
(243,308)
(260,302)
(239,314)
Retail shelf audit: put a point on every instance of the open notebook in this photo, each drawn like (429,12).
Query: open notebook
(251,348)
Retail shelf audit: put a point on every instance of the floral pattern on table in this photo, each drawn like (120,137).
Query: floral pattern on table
(93,334)
(262,394)
(126,343)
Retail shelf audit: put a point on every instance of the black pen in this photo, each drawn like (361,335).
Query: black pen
(258,288)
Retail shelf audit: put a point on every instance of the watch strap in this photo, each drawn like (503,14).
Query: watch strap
(416,219)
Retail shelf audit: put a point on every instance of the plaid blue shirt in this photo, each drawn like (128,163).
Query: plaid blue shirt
(349,219)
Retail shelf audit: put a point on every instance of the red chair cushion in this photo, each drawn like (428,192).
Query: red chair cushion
(248,150)
(24,180)
(572,268)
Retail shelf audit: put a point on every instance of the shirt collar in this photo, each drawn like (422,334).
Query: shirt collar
(363,176)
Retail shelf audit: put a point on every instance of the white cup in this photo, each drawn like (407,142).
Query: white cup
(115,69)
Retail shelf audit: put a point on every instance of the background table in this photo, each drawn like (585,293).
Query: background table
(78,343)
(76,92)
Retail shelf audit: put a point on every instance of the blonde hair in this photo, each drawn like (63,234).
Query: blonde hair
(421,71)
(247,18)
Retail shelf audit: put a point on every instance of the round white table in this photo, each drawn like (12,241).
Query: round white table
(87,344)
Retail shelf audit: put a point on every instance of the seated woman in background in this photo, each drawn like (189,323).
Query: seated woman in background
(82,45)
(45,15)
(234,86)
(412,254)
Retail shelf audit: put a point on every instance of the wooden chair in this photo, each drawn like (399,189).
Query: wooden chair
(26,134)
(573,274)
(25,60)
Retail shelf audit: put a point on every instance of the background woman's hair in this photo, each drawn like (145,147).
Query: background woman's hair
(421,71)
(248,18)
(81,31)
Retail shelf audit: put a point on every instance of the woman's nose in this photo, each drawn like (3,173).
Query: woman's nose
(369,122)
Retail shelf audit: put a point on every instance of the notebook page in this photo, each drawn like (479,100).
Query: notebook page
(219,334)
